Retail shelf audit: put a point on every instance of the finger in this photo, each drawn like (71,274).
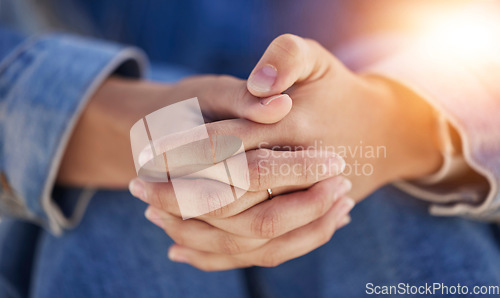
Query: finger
(276,251)
(219,156)
(343,222)
(287,60)
(274,169)
(207,193)
(196,145)
(284,213)
(259,169)
(226,97)
(201,236)
(252,135)
(178,199)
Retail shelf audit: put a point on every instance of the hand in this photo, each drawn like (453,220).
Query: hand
(327,99)
(251,230)
(384,131)
(98,153)
(239,235)
(247,231)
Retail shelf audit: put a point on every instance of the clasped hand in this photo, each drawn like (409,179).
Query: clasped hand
(331,106)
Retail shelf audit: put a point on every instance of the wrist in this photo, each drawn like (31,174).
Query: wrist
(98,153)
(412,134)
(122,102)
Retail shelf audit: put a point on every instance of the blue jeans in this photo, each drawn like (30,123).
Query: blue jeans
(116,252)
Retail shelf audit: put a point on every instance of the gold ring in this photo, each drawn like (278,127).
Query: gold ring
(270,192)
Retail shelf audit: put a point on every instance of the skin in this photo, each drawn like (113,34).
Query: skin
(330,104)
(104,127)
(327,99)
(338,107)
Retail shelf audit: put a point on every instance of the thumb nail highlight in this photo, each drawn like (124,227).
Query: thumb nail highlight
(263,80)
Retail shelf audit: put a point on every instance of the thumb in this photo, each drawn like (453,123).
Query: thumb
(287,60)
(226,97)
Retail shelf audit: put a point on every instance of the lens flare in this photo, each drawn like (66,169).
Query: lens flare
(467,35)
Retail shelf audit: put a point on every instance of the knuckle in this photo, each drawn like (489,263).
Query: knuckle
(214,202)
(313,43)
(266,224)
(226,211)
(308,177)
(257,171)
(288,44)
(214,129)
(229,245)
(206,152)
(219,212)
(159,197)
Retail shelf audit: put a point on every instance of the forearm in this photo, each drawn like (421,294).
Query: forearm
(98,153)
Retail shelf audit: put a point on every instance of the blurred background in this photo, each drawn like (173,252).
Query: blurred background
(228,36)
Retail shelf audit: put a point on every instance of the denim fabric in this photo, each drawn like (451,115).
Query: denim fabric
(44,86)
(116,252)
(17,252)
(223,36)
(8,41)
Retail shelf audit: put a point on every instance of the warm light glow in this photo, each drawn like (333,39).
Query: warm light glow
(465,34)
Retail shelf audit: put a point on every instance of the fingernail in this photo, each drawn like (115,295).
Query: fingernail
(336,164)
(176,256)
(344,221)
(136,188)
(263,79)
(266,101)
(153,216)
(345,207)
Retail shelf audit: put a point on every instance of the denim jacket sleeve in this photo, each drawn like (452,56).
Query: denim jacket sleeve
(45,83)
(8,41)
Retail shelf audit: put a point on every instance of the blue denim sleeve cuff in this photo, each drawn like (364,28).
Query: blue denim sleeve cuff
(44,86)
